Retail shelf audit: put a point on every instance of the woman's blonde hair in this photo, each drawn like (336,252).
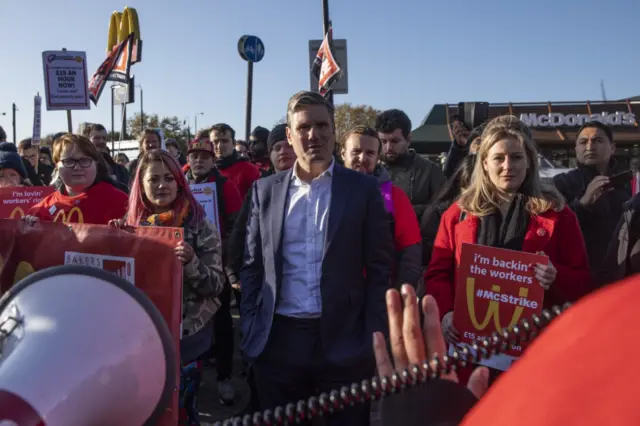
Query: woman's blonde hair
(482,198)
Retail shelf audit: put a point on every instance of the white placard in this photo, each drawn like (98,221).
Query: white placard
(207,195)
(37,125)
(65,80)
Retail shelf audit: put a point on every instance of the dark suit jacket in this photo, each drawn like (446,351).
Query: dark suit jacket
(356,268)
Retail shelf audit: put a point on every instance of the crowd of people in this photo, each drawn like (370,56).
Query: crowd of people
(314,230)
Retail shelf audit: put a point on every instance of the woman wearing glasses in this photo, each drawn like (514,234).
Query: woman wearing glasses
(86,193)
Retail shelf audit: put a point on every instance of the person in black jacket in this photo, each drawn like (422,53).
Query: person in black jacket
(97,134)
(417,176)
(464,143)
(430,221)
(589,191)
(623,254)
(39,174)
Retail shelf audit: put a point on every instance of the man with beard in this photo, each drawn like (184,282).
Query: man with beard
(360,149)
(258,151)
(229,162)
(418,177)
(97,134)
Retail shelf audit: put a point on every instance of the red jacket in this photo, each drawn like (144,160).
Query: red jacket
(557,234)
(243,174)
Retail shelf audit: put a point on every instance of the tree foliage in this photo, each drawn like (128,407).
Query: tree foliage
(172,127)
(348,116)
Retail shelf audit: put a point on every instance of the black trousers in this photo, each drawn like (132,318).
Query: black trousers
(292,368)
(223,336)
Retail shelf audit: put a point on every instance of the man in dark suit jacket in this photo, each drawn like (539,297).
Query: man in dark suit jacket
(317,265)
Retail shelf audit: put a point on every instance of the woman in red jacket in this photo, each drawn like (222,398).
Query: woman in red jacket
(506,206)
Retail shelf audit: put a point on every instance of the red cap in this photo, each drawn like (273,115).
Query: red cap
(201,145)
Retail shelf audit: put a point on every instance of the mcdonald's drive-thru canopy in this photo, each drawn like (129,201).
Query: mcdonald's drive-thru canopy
(552,123)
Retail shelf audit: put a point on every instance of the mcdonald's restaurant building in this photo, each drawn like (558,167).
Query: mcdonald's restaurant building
(554,126)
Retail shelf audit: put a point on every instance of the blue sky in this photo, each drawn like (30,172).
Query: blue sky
(407,54)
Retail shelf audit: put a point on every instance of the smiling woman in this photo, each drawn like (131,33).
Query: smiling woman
(86,188)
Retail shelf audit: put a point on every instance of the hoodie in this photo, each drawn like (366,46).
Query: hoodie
(406,231)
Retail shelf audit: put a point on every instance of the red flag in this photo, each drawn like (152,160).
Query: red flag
(325,68)
(114,68)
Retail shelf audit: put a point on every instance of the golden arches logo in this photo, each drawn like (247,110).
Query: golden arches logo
(493,312)
(66,217)
(23,270)
(15,212)
(120,26)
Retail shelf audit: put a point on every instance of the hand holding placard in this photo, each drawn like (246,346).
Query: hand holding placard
(495,288)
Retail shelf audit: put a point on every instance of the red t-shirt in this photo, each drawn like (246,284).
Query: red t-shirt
(243,174)
(407,231)
(98,205)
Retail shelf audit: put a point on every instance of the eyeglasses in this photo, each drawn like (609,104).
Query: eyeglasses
(70,163)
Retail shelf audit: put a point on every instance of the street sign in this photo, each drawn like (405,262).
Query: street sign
(340,54)
(251,48)
(124,93)
(65,80)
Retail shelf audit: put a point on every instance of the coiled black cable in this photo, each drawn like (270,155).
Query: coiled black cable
(379,387)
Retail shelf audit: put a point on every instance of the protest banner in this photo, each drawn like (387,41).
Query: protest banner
(16,201)
(144,258)
(65,80)
(495,288)
(207,195)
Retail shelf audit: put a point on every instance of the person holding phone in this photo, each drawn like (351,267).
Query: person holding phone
(596,190)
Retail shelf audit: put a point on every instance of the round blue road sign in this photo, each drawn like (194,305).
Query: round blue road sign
(251,48)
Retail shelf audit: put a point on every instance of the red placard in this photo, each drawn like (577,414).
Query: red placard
(16,201)
(495,288)
(145,259)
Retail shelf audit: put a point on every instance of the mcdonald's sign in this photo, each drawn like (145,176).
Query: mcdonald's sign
(17,201)
(17,213)
(63,217)
(495,289)
(120,26)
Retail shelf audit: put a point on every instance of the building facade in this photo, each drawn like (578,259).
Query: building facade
(554,126)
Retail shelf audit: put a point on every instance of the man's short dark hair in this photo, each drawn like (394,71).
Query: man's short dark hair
(393,119)
(223,128)
(202,134)
(25,144)
(3,135)
(597,125)
(304,99)
(362,131)
(93,127)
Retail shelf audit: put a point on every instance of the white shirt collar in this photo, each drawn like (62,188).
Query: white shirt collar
(327,173)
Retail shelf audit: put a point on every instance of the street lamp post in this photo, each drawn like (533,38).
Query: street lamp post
(141,109)
(195,130)
(325,27)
